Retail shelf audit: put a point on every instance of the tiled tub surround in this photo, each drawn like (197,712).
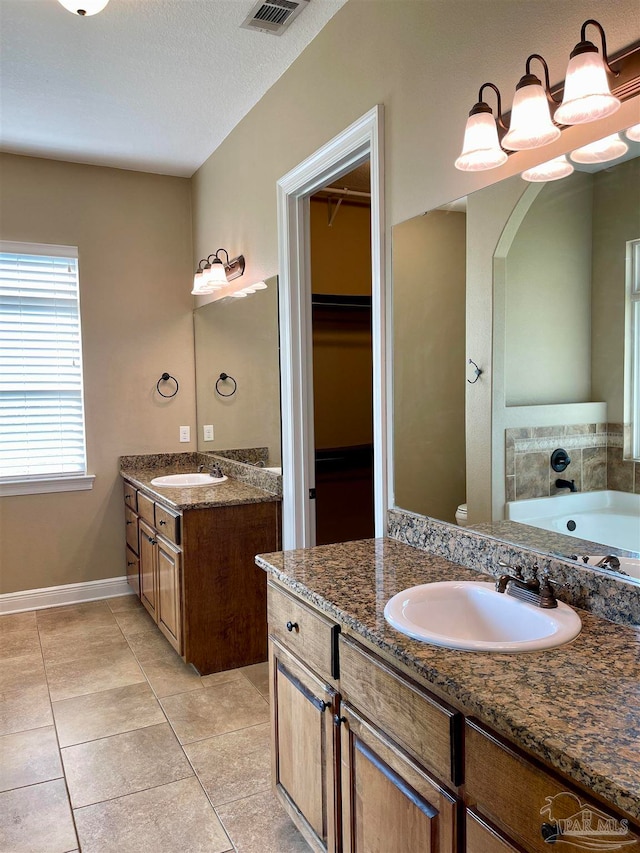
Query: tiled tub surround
(140,470)
(596,452)
(601,593)
(576,707)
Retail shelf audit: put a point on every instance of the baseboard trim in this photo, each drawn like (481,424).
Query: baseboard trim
(70,593)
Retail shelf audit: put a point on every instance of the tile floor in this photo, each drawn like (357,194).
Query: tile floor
(108,742)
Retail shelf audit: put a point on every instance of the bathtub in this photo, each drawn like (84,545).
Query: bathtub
(612,518)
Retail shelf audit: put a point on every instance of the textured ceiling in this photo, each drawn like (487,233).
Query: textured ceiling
(154,85)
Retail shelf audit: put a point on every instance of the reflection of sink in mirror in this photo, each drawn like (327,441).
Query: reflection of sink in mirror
(612,518)
(275,470)
(181,481)
(472,616)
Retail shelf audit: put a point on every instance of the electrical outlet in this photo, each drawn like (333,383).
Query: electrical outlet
(185,433)
(207,432)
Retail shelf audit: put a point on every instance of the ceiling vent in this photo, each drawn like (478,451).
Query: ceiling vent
(273,16)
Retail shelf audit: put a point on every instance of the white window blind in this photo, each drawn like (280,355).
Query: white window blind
(41,399)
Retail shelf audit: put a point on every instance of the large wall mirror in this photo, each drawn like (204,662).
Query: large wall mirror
(239,337)
(555,261)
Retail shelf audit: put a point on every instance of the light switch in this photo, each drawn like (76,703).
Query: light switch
(207,432)
(185,433)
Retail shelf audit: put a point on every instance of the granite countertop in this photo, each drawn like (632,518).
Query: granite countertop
(576,707)
(230,493)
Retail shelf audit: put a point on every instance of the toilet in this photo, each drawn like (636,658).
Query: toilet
(461,515)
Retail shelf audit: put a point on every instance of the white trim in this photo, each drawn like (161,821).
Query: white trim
(363,139)
(56,596)
(48,250)
(43,485)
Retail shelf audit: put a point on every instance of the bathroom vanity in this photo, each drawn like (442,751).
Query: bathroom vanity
(379,738)
(190,559)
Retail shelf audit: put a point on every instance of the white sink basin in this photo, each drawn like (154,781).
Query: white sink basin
(472,616)
(180,481)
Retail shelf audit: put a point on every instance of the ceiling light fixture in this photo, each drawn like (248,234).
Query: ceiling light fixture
(537,117)
(214,274)
(84,8)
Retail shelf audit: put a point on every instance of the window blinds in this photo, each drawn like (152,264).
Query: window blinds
(41,401)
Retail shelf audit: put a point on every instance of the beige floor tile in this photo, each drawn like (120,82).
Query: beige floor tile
(92,674)
(171,675)
(175,818)
(123,764)
(21,673)
(151,645)
(133,622)
(215,710)
(28,708)
(15,643)
(107,713)
(221,677)
(17,622)
(259,824)
(37,819)
(258,675)
(58,647)
(124,603)
(74,619)
(234,765)
(27,758)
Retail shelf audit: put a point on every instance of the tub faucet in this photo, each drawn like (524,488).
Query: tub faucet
(566,484)
(609,562)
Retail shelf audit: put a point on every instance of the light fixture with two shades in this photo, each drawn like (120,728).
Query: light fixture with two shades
(537,118)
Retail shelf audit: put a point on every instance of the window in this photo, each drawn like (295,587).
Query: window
(42,443)
(633,345)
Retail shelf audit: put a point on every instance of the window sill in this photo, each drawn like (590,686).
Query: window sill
(42,486)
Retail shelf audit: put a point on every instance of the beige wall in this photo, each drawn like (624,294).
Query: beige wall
(133,233)
(428,369)
(232,337)
(616,220)
(548,298)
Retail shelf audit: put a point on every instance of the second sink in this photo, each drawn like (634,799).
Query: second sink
(472,616)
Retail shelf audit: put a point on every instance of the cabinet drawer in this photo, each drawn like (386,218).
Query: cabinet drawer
(423,725)
(131,528)
(146,509)
(483,838)
(528,802)
(130,496)
(168,523)
(306,633)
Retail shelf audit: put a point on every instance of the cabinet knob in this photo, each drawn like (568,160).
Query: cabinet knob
(338,720)
(291,626)
(127,497)
(162,522)
(152,541)
(130,563)
(550,832)
(129,522)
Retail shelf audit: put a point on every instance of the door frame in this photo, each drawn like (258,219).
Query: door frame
(362,140)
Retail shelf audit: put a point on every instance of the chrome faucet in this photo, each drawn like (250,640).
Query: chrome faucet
(609,562)
(527,589)
(214,470)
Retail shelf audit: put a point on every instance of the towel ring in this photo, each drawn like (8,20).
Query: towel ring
(166,377)
(477,370)
(222,378)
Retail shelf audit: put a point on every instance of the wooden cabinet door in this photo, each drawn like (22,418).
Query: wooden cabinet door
(304,748)
(389,803)
(148,567)
(169,593)
(133,571)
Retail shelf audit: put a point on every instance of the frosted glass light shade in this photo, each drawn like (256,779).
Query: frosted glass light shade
(216,276)
(552,170)
(239,294)
(600,151)
(481,147)
(531,124)
(84,8)
(633,133)
(587,95)
(200,285)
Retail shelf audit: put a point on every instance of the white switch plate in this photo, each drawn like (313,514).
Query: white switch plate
(185,433)
(207,432)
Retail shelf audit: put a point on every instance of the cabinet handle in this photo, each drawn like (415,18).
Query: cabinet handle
(152,541)
(550,832)
(129,522)
(338,720)
(127,497)
(291,626)
(162,522)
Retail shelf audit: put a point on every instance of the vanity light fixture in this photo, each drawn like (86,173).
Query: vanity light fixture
(552,170)
(537,118)
(601,151)
(587,96)
(84,8)
(633,133)
(213,273)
